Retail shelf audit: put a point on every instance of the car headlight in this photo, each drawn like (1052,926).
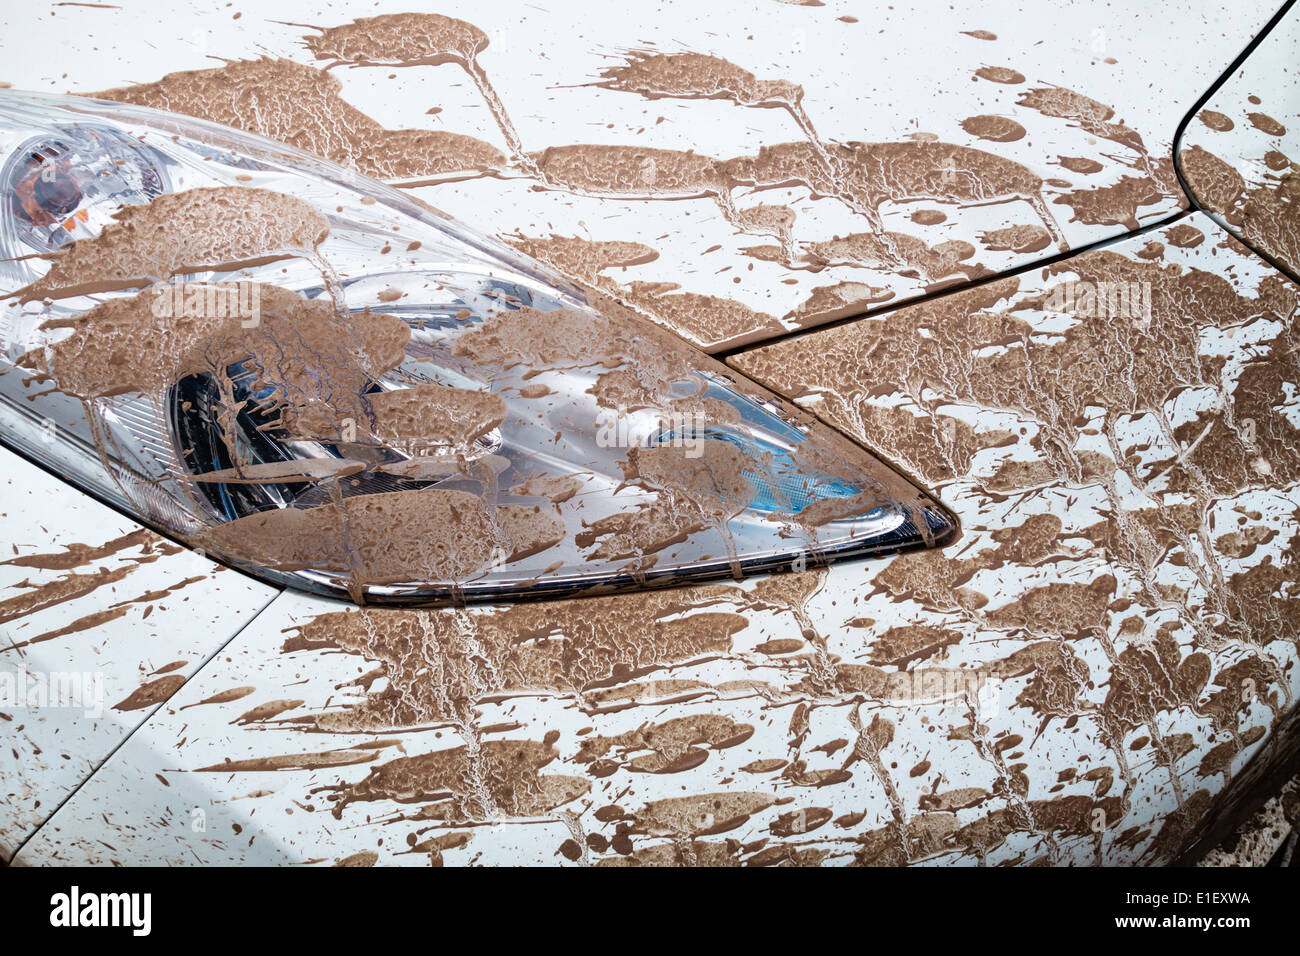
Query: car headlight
(320,380)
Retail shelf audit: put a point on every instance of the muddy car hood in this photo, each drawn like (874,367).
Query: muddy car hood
(868,214)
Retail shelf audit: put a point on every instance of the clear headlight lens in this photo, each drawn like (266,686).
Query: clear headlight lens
(316,378)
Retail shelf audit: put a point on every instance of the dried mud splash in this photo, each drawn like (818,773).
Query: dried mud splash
(1257,198)
(1163,647)
(302,105)
(78,571)
(1240,156)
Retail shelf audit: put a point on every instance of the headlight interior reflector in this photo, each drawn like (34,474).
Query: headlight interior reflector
(320,380)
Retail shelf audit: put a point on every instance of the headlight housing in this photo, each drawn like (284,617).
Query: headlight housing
(322,381)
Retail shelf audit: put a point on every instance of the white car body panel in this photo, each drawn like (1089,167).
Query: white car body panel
(100,620)
(757,761)
(446,734)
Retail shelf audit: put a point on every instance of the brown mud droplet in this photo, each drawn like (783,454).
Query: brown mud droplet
(1215,121)
(1080,164)
(1266,124)
(928,217)
(1000,74)
(995,129)
(154,692)
(1021,239)
(1185,236)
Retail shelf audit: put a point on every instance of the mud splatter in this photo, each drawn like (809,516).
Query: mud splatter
(995,129)
(1000,74)
(1016,239)
(225,227)
(303,107)
(152,693)
(417,39)
(698,76)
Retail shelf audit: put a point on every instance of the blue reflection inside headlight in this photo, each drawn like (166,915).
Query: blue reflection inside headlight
(783,486)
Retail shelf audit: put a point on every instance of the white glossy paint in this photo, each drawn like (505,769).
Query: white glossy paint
(59,692)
